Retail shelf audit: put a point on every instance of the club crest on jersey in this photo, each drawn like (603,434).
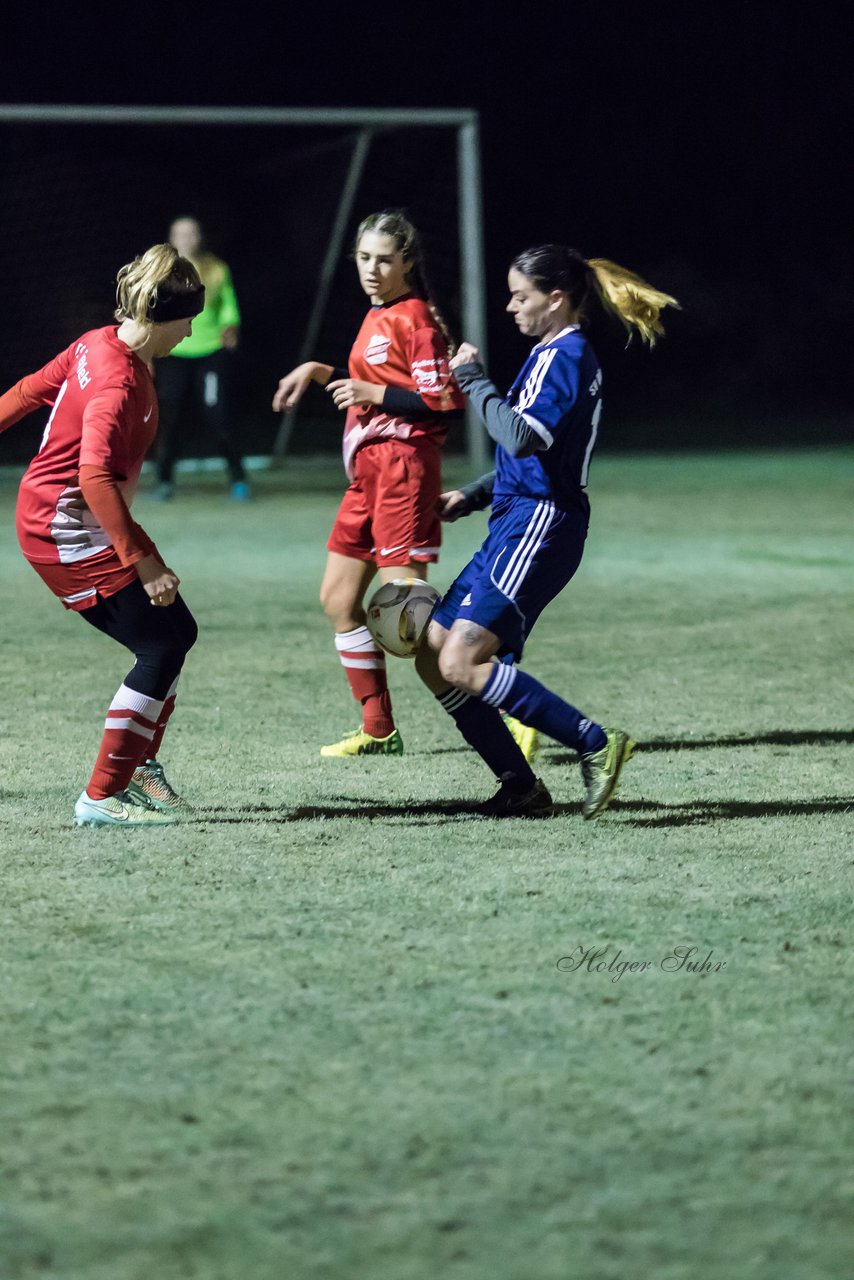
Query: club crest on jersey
(376,351)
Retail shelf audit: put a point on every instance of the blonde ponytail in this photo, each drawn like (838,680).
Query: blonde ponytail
(138,281)
(636,304)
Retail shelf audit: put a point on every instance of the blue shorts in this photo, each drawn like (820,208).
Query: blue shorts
(531,551)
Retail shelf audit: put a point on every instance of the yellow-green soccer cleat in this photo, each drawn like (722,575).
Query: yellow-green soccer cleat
(359,743)
(150,784)
(119,810)
(601,771)
(526,738)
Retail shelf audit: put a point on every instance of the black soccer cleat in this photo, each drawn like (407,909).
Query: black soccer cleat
(511,801)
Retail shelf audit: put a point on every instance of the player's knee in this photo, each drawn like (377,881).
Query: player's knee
(455,665)
(330,601)
(340,608)
(426,663)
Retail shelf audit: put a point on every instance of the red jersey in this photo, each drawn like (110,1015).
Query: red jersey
(400,345)
(105,415)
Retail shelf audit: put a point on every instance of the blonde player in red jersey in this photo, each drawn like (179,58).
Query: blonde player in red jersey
(397,393)
(75,527)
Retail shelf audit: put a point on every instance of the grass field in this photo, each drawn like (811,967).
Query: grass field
(323,1030)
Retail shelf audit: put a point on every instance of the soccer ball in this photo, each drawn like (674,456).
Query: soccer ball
(398,614)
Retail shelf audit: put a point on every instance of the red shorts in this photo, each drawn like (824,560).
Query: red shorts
(78,585)
(389,513)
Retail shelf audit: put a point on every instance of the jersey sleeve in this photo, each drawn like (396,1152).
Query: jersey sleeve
(549,391)
(427,353)
(106,431)
(35,390)
(103,498)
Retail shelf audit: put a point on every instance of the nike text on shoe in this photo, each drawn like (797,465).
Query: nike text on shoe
(151,784)
(601,771)
(359,743)
(119,810)
(511,802)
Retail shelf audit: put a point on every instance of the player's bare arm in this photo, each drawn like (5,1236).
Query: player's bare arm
(347,392)
(294,385)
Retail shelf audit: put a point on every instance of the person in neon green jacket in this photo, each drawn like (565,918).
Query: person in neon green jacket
(199,368)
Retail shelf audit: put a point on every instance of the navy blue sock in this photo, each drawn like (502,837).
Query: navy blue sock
(485,731)
(522,696)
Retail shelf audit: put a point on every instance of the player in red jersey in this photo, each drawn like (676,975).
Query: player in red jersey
(397,393)
(75,527)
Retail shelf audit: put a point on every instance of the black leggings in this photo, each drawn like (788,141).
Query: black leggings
(203,381)
(160,637)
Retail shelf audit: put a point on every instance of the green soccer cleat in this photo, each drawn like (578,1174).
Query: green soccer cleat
(511,802)
(359,743)
(526,738)
(150,784)
(601,771)
(119,810)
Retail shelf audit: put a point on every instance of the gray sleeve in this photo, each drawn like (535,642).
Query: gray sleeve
(478,494)
(507,427)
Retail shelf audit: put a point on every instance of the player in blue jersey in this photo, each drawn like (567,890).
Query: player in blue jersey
(545,430)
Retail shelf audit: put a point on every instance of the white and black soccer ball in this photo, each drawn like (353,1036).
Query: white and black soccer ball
(398,614)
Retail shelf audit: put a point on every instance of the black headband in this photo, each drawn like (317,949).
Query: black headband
(175,304)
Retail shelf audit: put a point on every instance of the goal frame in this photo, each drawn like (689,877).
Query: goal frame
(367,121)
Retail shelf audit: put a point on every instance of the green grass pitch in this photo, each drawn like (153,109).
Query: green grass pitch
(323,1030)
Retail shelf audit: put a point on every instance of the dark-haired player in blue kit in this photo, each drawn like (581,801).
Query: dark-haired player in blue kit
(545,430)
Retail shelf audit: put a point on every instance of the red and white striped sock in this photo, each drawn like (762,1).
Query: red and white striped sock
(128,732)
(364,666)
(162,721)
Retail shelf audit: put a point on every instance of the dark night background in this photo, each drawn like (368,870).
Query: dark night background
(703,145)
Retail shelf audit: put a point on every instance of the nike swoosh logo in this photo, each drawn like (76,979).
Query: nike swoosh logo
(121,759)
(148,415)
(386,551)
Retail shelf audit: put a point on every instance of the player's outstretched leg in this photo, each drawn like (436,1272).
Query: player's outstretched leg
(601,771)
(603,752)
(520,793)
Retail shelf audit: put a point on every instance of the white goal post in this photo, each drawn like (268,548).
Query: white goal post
(368,122)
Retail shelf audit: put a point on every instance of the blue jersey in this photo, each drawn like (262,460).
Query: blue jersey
(559,393)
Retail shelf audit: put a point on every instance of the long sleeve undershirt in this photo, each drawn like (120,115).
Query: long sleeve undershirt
(506,427)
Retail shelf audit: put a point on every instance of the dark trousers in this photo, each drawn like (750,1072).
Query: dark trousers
(195,383)
(159,637)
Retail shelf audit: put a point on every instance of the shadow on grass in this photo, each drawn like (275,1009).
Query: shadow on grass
(698,812)
(428,814)
(632,813)
(778,738)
